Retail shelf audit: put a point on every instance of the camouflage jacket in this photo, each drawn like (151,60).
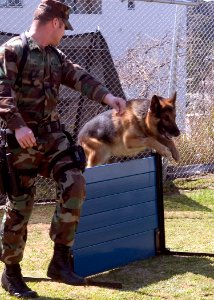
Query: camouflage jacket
(35,102)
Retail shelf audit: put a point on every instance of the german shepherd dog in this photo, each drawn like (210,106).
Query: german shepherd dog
(145,124)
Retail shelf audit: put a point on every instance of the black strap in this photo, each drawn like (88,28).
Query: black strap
(57,53)
(77,155)
(57,158)
(63,169)
(69,137)
(23,59)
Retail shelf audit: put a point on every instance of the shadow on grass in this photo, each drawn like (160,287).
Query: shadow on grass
(181,202)
(138,275)
(161,268)
(90,282)
(40,279)
(176,201)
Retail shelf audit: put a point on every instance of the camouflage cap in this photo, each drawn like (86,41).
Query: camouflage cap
(49,9)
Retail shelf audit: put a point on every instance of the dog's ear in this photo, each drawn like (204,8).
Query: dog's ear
(173,98)
(155,106)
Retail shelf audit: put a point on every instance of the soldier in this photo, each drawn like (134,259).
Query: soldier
(29,110)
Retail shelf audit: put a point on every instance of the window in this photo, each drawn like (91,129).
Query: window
(11,3)
(85,6)
(131,4)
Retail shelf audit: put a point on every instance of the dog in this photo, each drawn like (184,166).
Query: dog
(145,124)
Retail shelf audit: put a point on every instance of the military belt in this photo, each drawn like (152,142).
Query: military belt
(51,127)
(38,131)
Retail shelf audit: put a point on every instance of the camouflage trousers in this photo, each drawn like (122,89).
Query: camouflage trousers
(70,196)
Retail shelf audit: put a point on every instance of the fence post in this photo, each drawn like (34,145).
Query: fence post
(160,234)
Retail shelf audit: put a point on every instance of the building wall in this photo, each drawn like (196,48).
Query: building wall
(119,25)
(122,28)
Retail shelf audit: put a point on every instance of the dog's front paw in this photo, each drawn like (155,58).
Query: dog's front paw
(175,155)
(165,152)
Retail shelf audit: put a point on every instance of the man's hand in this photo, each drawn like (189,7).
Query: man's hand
(119,104)
(25,137)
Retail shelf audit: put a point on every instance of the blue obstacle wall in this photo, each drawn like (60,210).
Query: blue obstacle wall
(119,217)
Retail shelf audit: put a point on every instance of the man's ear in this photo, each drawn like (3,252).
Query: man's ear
(155,106)
(55,22)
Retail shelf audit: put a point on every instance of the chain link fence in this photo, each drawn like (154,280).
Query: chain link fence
(137,49)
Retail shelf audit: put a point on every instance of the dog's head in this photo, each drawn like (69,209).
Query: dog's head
(165,111)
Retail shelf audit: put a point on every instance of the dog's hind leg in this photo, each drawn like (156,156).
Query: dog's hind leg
(98,156)
(96,152)
(95,159)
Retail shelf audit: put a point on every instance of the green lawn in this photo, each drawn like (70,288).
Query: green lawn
(189,225)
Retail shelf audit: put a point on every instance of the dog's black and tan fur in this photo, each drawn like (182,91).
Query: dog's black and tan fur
(144,125)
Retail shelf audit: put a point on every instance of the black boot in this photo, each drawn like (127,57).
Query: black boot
(61,266)
(12,281)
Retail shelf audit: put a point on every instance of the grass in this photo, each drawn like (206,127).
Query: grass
(189,224)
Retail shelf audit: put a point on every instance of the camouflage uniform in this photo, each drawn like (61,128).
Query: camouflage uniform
(34,105)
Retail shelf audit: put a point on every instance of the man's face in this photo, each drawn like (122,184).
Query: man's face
(58,31)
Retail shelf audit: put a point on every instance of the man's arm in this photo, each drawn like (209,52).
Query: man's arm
(8,106)
(80,80)
(8,72)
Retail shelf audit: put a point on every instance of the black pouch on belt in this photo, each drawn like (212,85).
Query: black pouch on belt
(3,171)
(13,182)
(77,153)
(9,179)
(78,156)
